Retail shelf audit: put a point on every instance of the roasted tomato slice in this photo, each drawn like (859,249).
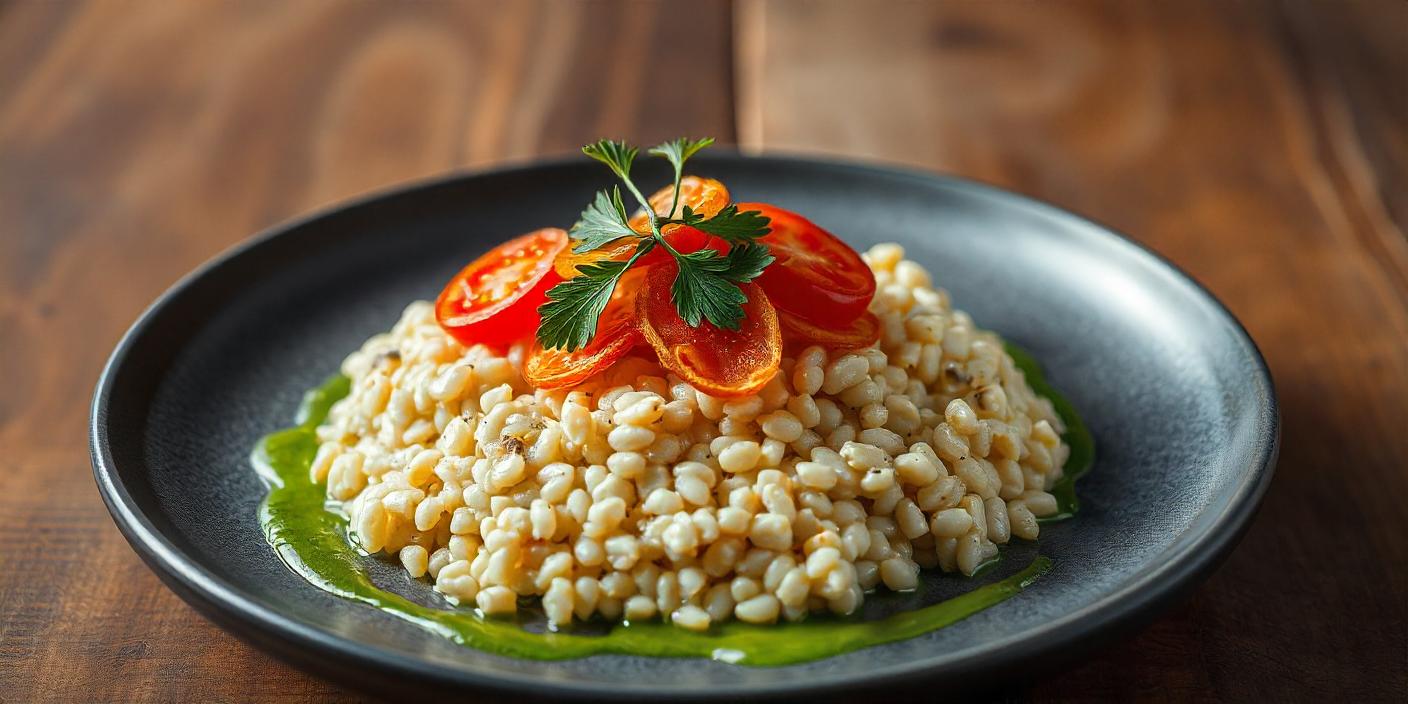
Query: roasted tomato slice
(616,335)
(618,251)
(703,195)
(716,361)
(683,238)
(798,333)
(816,277)
(494,301)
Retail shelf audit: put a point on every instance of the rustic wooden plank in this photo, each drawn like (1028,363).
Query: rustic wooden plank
(138,141)
(1259,145)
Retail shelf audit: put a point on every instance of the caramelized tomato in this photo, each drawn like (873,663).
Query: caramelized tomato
(616,335)
(683,238)
(716,361)
(816,277)
(494,300)
(618,251)
(861,332)
(702,195)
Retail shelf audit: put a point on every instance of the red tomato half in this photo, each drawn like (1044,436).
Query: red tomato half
(861,332)
(494,301)
(718,362)
(816,277)
(616,335)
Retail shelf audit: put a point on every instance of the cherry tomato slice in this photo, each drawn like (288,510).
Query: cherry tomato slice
(861,332)
(616,335)
(494,301)
(718,362)
(703,195)
(816,277)
(683,238)
(618,251)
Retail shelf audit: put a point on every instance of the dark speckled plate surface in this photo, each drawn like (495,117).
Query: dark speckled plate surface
(1176,395)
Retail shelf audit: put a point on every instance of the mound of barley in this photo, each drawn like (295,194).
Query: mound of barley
(637,496)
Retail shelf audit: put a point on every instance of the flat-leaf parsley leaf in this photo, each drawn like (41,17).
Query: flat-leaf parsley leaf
(603,222)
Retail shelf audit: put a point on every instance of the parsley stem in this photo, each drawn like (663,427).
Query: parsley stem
(649,211)
(675,201)
(674,252)
(641,249)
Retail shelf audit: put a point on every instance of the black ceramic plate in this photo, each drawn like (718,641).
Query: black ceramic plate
(1176,395)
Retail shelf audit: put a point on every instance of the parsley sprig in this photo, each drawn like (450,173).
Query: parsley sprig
(708,285)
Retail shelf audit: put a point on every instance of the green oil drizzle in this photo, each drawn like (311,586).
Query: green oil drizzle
(312,540)
(1077,436)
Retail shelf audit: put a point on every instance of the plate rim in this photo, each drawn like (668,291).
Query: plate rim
(1190,558)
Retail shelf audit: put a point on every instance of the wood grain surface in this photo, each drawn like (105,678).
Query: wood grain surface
(1261,146)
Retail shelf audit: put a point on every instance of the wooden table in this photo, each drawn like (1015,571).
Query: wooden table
(1261,146)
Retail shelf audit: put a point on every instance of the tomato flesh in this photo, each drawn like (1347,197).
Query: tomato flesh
(616,335)
(683,238)
(859,333)
(618,251)
(716,361)
(494,301)
(816,277)
(703,195)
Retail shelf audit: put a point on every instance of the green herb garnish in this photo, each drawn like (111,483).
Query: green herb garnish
(707,286)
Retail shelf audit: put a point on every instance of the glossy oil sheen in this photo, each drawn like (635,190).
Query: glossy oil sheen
(312,540)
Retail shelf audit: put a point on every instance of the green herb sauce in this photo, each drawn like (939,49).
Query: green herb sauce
(312,540)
